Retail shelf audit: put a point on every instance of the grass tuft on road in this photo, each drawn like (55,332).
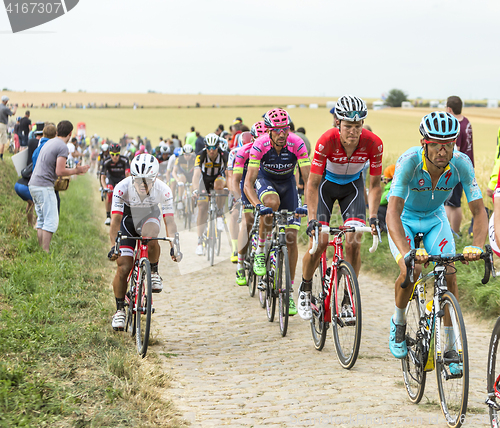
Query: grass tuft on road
(60,362)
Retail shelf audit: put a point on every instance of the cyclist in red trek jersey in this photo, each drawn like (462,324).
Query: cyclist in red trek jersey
(338,161)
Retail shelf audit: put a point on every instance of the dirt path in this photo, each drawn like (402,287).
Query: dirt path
(231,367)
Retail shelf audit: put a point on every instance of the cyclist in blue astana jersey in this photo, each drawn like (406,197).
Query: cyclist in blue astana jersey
(424,178)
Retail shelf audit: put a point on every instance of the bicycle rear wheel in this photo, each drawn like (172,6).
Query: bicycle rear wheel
(283,285)
(318,325)
(218,239)
(493,374)
(414,363)
(144,308)
(452,371)
(346,315)
(270,295)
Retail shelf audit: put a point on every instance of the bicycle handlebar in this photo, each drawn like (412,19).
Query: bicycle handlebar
(120,236)
(487,256)
(342,229)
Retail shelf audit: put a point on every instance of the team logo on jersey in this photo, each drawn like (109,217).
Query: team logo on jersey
(442,244)
(379,148)
(120,193)
(321,146)
(421,182)
(447,176)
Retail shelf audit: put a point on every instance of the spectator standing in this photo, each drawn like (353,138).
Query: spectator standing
(5,112)
(453,205)
(200,143)
(176,142)
(301,132)
(191,138)
(16,135)
(219,129)
(147,143)
(24,130)
(51,163)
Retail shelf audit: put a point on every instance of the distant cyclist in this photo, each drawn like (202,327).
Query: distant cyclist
(273,159)
(136,213)
(114,169)
(339,158)
(235,196)
(183,170)
(424,177)
(239,173)
(210,167)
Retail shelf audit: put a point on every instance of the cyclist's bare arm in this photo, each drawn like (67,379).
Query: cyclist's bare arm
(229,180)
(248,188)
(103,181)
(311,192)
(236,184)
(395,225)
(196,178)
(174,173)
(374,195)
(479,229)
(305,170)
(171,230)
(496,213)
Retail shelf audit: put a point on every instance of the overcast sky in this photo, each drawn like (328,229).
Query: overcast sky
(427,48)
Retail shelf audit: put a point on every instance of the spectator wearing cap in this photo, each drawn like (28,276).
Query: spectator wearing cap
(24,130)
(382,210)
(5,112)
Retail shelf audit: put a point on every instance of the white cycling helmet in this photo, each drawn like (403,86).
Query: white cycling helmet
(188,148)
(223,144)
(144,166)
(104,147)
(211,140)
(350,108)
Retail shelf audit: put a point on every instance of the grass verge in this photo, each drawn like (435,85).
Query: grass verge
(61,365)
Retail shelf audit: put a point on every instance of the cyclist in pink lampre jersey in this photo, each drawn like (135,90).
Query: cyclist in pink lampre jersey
(273,158)
(340,155)
(239,173)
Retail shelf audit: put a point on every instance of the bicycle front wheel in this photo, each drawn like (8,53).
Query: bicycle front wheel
(251,277)
(144,308)
(493,374)
(452,366)
(346,315)
(211,242)
(414,363)
(283,285)
(318,325)
(270,294)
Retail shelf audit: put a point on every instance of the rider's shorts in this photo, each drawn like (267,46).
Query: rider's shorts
(131,225)
(438,237)
(351,198)
(491,233)
(286,191)
(208,183)
(247,206)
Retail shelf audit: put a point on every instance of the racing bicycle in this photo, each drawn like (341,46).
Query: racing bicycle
(139,297)
(335,296)
(427,323)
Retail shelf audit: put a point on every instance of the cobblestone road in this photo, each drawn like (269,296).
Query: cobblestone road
(231,367)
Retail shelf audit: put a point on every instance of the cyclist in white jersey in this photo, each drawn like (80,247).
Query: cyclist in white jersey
(135,212)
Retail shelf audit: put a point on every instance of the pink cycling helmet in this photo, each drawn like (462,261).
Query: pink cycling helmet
(258,128)
(276,118)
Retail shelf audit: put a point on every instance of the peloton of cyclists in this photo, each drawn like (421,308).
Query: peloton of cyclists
(339,158)
(270,184)
(425,176)
(114,169)
(208,175)
(183,170)
(135,212)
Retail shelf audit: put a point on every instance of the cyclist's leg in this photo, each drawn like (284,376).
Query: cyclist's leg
(219,185)
(182,179)
(397,337)
(353,209)
(124,265)
(201,222)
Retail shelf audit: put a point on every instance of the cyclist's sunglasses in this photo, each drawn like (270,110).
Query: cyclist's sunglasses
(354,115)
(280,130)
(211,147)
(114,154)
(447,144)
(146,181)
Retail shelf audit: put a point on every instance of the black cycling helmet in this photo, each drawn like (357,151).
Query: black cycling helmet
(114,148)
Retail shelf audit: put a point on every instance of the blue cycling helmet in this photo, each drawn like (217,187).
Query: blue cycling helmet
(439,125)
(177,152)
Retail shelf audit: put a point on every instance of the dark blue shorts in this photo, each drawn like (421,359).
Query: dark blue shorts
(23,192)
